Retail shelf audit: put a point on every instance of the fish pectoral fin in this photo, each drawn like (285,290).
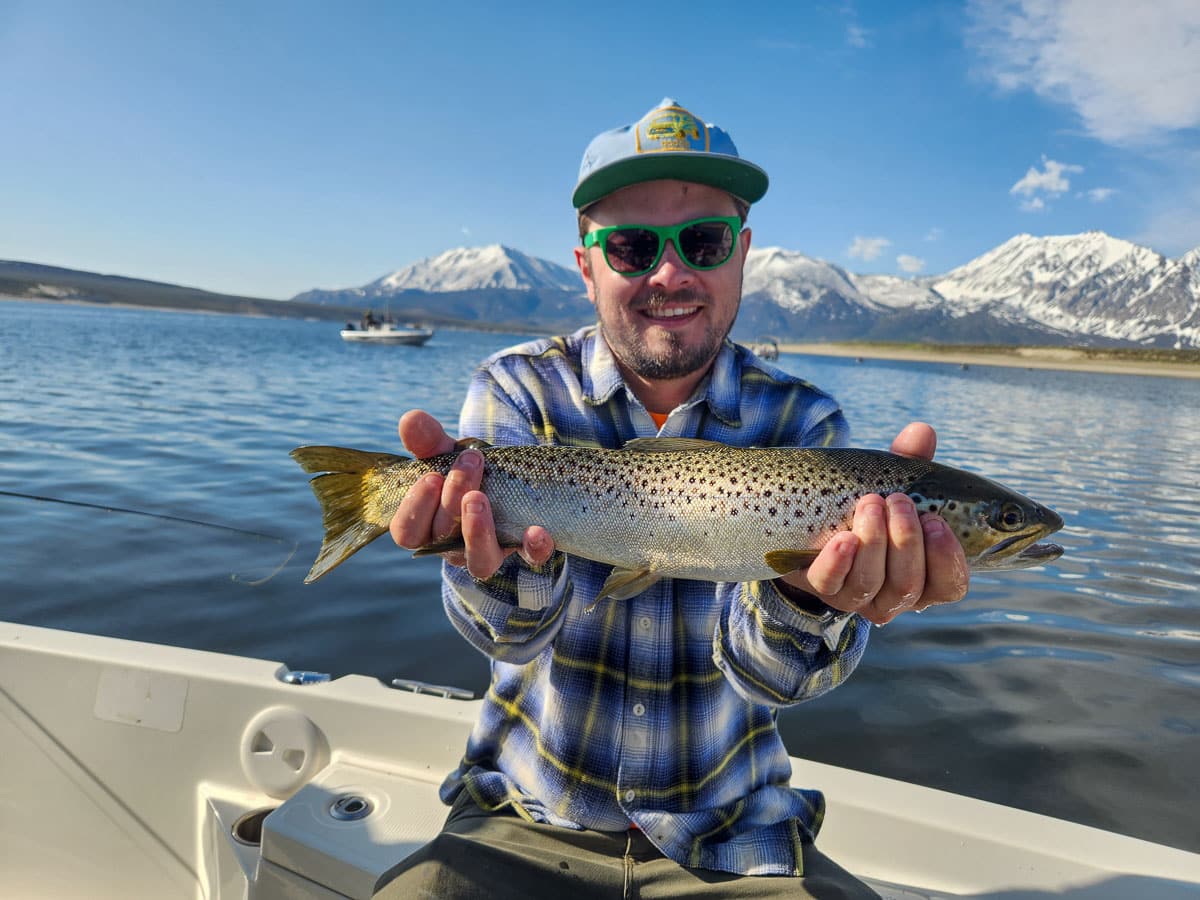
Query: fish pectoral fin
(671,445)
(785,561)
(471,443)
(625,583)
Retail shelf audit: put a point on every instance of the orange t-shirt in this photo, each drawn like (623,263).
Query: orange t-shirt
(660,419)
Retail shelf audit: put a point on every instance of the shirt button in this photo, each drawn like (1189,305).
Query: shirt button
(630,796)
(644,623)
(639,709)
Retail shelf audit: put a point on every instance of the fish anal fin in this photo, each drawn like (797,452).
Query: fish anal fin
(785,561)
(450,544)
(625,583)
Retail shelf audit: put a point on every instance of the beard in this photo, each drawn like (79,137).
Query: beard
(671,358)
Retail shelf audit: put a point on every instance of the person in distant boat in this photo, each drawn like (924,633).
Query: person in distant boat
(631,749)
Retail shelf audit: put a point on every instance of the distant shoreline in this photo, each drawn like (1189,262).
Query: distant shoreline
(1112,361)
(1116,361)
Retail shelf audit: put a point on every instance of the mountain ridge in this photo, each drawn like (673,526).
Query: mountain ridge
(1088,289)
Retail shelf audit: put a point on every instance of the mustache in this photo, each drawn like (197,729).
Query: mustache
(657,297)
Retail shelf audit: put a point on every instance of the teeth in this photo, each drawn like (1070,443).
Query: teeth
(672,313)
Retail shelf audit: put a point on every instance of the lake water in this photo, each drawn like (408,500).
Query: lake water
(1072,690)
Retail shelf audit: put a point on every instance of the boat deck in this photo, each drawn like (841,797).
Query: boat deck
(129,767)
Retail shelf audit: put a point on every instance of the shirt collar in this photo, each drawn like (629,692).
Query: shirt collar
(721,389)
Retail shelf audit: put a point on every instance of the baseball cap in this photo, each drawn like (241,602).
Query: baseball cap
(667,142)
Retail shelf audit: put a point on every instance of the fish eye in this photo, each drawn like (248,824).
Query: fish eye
(1011,517)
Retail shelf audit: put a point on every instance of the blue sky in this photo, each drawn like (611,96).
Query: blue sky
(269,148)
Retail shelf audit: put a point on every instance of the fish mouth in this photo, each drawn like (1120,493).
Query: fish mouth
(1027,553)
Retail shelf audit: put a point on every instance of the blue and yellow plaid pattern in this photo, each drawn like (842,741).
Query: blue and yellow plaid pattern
(657,711)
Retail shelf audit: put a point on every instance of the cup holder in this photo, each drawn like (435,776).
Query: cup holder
(248,829)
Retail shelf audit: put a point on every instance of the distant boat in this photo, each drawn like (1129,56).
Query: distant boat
(387,333)
(765,348)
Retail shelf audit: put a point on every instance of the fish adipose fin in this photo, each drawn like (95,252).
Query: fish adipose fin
(342,495)
(625,583)
(785,561)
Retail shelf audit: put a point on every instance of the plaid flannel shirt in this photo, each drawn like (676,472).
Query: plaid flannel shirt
(658,711)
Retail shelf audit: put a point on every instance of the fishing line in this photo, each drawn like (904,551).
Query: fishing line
(153,515)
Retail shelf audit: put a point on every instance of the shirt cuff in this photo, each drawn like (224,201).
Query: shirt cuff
(797,609)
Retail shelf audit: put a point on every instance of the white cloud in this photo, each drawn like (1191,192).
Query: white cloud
(1100,194)
(857,36)
(466,230)
(867,248)
(934,234)
(910,264)
(1131,71)
(1051,180)
(1033,204)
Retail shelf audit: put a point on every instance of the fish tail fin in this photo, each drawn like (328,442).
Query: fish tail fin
(343,492)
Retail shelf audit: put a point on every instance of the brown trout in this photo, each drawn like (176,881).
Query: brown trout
(678,507)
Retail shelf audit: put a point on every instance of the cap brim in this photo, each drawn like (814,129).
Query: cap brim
(729,173)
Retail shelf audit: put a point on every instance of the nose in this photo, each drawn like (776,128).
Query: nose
(672,272)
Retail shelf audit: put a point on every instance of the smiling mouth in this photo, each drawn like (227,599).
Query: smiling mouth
(671,312)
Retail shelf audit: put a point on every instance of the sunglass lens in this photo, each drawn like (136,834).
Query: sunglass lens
(706,244)
(631,249)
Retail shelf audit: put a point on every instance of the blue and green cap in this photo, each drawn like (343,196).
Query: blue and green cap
(667,142)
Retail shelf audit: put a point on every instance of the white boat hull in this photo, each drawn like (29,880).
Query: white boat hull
(127,766)
(388,334)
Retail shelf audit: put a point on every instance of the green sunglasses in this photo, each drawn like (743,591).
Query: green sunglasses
(633,250)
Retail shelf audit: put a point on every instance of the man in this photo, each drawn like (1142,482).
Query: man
(629,748)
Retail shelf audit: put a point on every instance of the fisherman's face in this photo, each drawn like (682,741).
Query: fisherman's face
(668,323)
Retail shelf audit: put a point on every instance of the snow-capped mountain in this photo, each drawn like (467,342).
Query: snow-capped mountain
(1083,288)
(478,268)
(1085,284)
(496,285)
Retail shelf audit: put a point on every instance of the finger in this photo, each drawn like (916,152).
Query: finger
(947,576)
(484,553)
(916,439)
(422,435)
(464,476)
(905,565)
(869,571)
(826,577)
(410,526)
(537,545)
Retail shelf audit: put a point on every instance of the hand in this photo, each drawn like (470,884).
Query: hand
(437,507)
(892,560)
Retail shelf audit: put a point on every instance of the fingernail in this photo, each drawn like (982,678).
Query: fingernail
(470,460)
(473,506)
(933,526)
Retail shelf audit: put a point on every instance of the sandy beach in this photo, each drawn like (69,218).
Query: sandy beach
(1064,358)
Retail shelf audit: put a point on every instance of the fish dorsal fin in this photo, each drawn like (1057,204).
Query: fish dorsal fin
(784,561)
(470,443)
(671,444)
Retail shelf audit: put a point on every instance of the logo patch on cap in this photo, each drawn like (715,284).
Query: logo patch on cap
(671,128)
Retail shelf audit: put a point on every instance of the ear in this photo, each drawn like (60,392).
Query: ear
(585,270)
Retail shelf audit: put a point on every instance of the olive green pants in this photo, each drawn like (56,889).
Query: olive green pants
(499,856)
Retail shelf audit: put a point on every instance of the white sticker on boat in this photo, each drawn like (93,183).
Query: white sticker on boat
(137,697)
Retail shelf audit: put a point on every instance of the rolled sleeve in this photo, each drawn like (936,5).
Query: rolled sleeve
(772,652)
(513,615)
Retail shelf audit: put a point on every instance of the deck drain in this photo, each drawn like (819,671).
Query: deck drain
(349,807)
(248,828)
